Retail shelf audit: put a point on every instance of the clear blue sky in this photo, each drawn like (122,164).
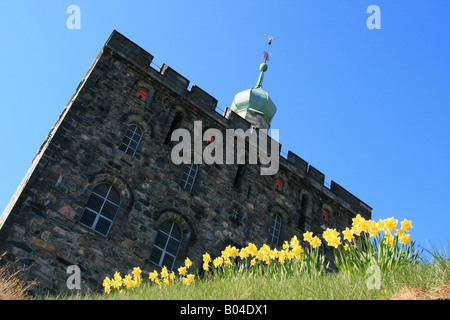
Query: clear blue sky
(368,108)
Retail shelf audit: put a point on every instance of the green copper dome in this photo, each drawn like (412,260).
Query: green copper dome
(255,99)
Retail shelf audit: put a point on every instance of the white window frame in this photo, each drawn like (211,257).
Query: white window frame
(165,251)
(189,176)
(98,214)
(236,213)
(275,229)
(134,133)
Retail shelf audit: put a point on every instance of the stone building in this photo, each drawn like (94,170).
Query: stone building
(102,192)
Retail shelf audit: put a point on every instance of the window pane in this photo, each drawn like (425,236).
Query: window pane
(166,226)
(95,203)
(103,226)
(114,196)
(88,218)
(168,261)
(161,240)
(109,210)
(155,256)
(176,232)
(172,246)
(102,189)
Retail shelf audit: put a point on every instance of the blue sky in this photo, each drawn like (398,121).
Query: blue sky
(368,108)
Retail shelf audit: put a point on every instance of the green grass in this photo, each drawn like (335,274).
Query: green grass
(331,286)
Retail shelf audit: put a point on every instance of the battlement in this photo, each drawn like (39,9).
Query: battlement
(122,46)
(138,57)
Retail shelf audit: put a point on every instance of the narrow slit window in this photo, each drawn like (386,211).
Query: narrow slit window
(175,125)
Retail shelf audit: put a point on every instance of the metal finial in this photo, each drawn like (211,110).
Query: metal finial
(266,53)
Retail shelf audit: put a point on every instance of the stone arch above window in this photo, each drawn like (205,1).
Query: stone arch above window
(180,234)
(138,120)
(115,185)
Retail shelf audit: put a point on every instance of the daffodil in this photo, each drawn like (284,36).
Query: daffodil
(308,236)
(294,242)
(218,262)
(348,234)
(391,223)
(164,272)
(243,254)
(252,249)
(152,276)
(234,252)
(405,239)
(406,225)
(206,257)
(187,262)
(106,282)
(136,271)
(315,242)
(182,270)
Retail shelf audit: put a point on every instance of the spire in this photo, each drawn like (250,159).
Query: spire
(254,104)
(263,67)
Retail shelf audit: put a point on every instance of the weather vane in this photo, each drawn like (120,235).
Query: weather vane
(266,53)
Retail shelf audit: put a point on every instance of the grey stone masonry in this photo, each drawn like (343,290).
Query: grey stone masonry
(86,164)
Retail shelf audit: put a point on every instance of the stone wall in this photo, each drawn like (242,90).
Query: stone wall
(41,229)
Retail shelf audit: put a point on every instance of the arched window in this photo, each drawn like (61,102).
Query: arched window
(101,209)
(275,229)
(141,94)
(189,176)
(279,184)
(166,245)
(131,140)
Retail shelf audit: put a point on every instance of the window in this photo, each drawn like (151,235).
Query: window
(238,178)
(166,246)
(131,140)
(175,125)
(189,175)
(303,212)
(101,209)
(325,214)
(279,184)
(275,229)
(141,94)
(236,214)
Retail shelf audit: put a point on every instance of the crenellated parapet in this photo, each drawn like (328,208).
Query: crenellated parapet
(138,57)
